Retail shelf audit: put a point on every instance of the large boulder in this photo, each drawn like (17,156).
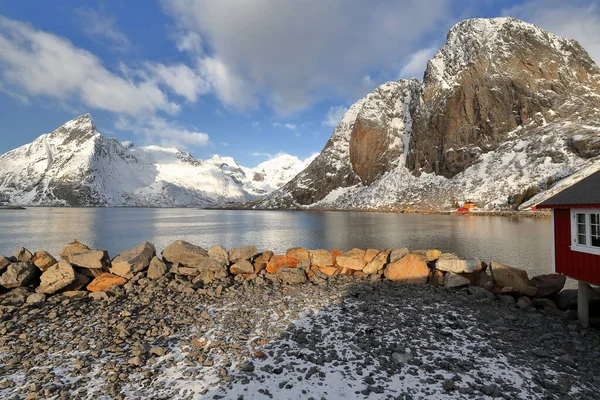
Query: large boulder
(452,280)
(353,259)
(57,277)
(219,253)
(242,253)
(458,265)
(503,276)
(92,259)
(547,285)
(242,267)
(73,248)
(157,268)
(370,254)
(18,274)
(278,261)
(410,269)
(262,260)
(43,260)
(23,255)
(300,254)
(132,261)
(292,275)
(397,254)
(105,281)
(16,295)
(321,258)
(184,253)
(377,263)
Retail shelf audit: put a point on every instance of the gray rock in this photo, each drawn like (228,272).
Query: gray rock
(157,269)
(73,248)
(184,253)
(247,366)
(547,285)
(98,296)
(17,295)
(397,254)
(242,267)
(219,253)
(242,253)
(23,255)
(132,261)
(458,265)
(18,274)
(292,275)
(36,298)
(481,293)
(452,280)
(57,277)
(503,276)
(92,259)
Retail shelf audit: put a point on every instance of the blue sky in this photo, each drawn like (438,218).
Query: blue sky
(247,79)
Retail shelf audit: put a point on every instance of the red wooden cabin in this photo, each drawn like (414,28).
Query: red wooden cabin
(576,236)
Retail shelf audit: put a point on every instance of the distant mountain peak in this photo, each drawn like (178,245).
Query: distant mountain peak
(78,130)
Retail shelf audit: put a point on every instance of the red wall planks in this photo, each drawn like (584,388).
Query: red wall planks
(574,264)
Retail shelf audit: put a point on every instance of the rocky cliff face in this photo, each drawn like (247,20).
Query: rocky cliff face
(76,166)
(503,106)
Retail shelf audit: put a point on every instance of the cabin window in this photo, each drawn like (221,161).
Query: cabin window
(585,229)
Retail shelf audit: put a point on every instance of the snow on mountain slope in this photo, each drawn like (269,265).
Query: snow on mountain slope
(503,106)
(77,166)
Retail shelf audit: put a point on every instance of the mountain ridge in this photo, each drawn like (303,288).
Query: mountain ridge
(75,165)
(503,106)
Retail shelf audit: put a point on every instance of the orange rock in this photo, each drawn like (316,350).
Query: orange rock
(261,261)
(410,269)
(197,343)
(335,253)
(277,262)
(370,254)
(329,271)
(104,282)
(260,354)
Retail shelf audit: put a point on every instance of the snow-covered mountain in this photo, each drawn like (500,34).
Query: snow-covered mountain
(503,106)
(76,166)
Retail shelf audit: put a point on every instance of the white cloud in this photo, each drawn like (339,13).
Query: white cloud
(166,133)
(574,19)
(189,41)
(295,55)
(417,62)
(334,116)
(228,87)
(35,63)
(268,156)
(101,27)
(291,127)
(181,79)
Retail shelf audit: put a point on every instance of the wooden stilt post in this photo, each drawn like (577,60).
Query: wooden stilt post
(583,303)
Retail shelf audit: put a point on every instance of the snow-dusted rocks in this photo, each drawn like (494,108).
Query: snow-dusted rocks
(76,166)
(504,105)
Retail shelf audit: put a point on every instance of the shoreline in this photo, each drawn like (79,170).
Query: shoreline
(391,210)
(217,323)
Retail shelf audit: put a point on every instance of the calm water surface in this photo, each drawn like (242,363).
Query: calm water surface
(523,243)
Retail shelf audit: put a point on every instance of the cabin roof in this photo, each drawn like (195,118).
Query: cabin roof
(584,193)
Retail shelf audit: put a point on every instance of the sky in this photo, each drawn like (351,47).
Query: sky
(243,78)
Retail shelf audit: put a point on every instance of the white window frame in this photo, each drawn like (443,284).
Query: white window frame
(575,246)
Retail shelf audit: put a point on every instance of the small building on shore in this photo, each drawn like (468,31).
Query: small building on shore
(576,237)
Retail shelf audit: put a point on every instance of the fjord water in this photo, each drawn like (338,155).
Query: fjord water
(519,242)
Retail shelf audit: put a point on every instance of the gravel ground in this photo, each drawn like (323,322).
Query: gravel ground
(347,338)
